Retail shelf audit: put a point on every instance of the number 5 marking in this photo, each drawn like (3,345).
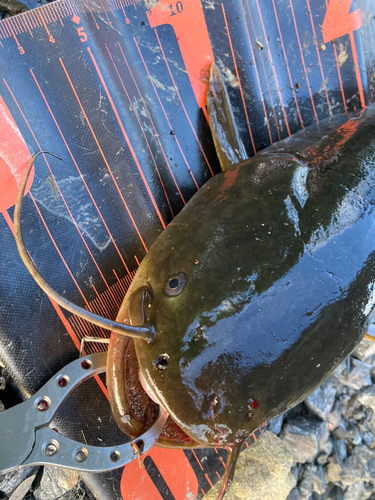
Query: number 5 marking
(82,34)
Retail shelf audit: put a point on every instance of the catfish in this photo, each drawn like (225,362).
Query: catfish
(254,293)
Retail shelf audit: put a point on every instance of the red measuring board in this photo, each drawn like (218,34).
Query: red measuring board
(117,90)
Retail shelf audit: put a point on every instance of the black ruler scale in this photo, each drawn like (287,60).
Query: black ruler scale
(117,89)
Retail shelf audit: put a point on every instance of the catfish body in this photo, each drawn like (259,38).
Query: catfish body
(278,265)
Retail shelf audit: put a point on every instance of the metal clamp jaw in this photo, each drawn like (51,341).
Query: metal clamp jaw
(26,439)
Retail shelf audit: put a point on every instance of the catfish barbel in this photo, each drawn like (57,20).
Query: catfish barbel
(254,293)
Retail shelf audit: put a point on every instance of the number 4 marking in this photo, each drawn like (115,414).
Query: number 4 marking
(338,21)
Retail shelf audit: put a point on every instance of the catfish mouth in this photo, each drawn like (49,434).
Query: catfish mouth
(132,407)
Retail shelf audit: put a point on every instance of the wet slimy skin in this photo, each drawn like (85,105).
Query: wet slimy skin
(277,268)
(254,293)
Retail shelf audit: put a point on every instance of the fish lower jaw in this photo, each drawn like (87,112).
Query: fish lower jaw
(146,387)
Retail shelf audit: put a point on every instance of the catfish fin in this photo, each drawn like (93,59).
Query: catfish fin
(233,454)
(228,144)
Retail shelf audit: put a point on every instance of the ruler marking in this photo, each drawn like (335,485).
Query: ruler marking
(120,282)
(257,73)
(56,247)
(57,12)
(43,22)
(265,76)
(12,32)
(26,23)
(36,206)
(287,64)
(37,20)
(54,11)
(82,330)
(102,303)
(303,61)
(127,140)
(13,24)
(356,70)
(49,12)
(29,20)
(273,68)
(166,117)
(96,24)
(183,106)
(153,125)
(122,8)
(105,12)
(65,203)
(61,6)
(3,32)
(102,154)
(109,303)
(117,292)
(70,5)
(34,19)
(142,130)
(83,180)
(8,30)
(318,53)
(45,13)
(197,459)
(18,25)
(238,79)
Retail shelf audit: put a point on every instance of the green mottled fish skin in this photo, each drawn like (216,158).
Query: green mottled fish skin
(279,282)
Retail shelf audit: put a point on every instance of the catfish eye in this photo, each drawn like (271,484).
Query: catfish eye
(161,363)
(175,285)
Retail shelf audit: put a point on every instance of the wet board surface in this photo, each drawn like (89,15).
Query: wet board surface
(117,90)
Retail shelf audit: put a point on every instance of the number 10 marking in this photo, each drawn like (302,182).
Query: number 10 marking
(179,8)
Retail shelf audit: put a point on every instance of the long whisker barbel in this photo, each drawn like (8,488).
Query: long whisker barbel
(141,332)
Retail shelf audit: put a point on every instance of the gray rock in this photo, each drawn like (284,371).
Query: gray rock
(322,459)
(359,415)
(333,470)
(305,437)
(327,447)
(319,483)
(334,419)
(357,438)
(305,487)
(10,481)
(294,495)
(364,350)
(335,494)
(320,402)
(275,424)
(358,491)
(3,378)
(359,466)
(340,449)
(358,376)
(2,407)
(367,397)
(55,482)
(262,472)
(351,405)
(367,438)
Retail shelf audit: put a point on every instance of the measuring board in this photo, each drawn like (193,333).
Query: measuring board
(117,89)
